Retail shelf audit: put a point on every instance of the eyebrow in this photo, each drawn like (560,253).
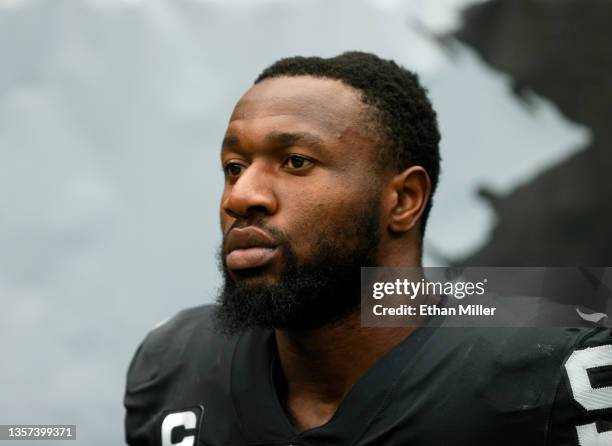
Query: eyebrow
(230,141)
(281,140)
(285,139)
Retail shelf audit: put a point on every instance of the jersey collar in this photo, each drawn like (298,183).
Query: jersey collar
(263,418)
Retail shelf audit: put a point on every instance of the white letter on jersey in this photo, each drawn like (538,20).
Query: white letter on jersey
(188,420)
(577,366)
(588,436)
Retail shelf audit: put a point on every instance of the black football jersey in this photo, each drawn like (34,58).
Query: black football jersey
(188,385)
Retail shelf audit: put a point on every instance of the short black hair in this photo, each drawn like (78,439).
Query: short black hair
(405,117)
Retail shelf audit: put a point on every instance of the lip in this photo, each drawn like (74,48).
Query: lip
(247,258)
(249,247)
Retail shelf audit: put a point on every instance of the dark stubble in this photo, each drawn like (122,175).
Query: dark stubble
(308,295)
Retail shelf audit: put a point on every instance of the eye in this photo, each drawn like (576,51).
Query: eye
(298,162)
(233,169)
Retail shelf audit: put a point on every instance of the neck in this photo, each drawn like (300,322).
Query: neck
(321,366)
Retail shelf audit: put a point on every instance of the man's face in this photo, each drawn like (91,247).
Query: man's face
(299,211)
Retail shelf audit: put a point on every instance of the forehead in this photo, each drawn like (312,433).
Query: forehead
(327,105)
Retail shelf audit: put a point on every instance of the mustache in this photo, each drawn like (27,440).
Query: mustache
(278,236)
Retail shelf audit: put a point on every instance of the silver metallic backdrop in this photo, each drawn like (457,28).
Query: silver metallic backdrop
(111,117)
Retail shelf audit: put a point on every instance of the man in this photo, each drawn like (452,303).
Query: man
(330,165)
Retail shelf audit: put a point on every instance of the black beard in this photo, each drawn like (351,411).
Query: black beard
(309,295)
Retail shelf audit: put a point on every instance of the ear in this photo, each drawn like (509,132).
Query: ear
(409,195)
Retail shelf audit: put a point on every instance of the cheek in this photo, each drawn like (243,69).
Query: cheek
(224,219)
(320,209)
(330,216)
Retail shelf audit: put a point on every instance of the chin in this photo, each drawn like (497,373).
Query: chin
(254,277)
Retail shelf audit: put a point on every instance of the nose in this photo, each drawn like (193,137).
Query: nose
(252,192)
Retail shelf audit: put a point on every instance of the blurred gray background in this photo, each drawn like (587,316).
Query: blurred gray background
(111,117)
